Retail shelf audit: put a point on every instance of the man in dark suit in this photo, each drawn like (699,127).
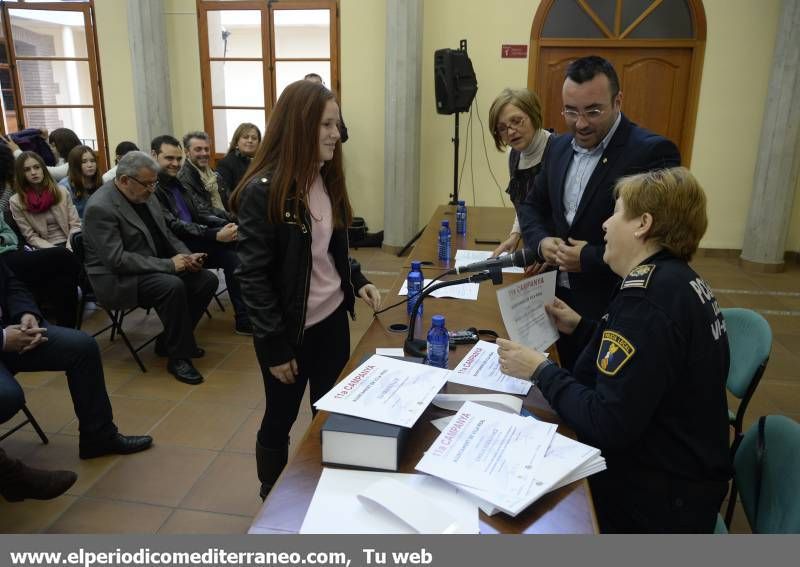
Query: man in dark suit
(573,195)
(133,260)
(29,344)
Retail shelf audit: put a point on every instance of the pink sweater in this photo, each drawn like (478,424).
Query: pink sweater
(325,292)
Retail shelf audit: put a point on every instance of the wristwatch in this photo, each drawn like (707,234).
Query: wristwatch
(539,369)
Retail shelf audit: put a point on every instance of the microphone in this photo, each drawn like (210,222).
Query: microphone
(519,259)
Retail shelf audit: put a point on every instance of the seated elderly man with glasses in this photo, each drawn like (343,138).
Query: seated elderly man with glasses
(562,217)
(133,260)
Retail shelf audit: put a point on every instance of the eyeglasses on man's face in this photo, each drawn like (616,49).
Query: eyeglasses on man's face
(571,115)
(516,123)
(151,185)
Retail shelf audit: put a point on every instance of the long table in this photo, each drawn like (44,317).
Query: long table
(566,510)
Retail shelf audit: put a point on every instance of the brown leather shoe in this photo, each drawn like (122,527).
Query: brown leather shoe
(37,484)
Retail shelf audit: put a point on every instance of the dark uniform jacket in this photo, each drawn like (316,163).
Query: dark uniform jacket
(649,391)
(275,272)
(630,150)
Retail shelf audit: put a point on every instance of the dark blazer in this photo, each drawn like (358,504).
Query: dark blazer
(631,150)
(119,247)
(15,300)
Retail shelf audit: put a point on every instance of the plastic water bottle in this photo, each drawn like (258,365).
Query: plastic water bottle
(444,241)
(438,343)
(461,218)
(415,283)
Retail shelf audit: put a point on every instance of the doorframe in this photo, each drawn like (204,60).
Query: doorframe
(697,46)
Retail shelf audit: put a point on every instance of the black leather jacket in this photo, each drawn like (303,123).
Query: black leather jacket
(190,178)
(203,224)
(275,272)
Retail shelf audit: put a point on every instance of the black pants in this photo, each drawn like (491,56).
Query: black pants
(78,354)
(52,275)
(222,255)
(180,301)
(646,501)
(320,360)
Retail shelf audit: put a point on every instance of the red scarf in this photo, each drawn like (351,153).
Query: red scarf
(39,202)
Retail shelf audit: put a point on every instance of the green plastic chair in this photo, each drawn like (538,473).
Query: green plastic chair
(750,342)
(774,507)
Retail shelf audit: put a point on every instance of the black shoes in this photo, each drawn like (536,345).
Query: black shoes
(184,371)
(161,350)
(117,445)
(243,327)
(36,484)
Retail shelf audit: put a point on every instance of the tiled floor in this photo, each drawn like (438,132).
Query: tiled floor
(200,475)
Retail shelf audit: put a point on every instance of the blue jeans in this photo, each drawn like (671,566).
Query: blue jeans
(76,353)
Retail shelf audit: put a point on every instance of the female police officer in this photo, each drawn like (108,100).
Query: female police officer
(649,388)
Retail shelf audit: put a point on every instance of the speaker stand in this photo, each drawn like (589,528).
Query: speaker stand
(454,195)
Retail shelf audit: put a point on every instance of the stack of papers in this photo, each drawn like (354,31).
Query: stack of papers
(505,461)
(361,502)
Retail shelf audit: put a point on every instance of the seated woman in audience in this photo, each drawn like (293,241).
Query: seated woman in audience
(42,210)
(50,273)
(515,122)
(648,390)
(84,176)
(243,147)
(60,170)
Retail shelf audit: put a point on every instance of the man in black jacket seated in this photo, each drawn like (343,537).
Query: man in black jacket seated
(197,225)
(196,175)
(30,344)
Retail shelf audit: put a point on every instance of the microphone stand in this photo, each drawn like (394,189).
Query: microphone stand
(417,347)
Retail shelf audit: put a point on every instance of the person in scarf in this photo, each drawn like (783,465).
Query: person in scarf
(197,176)
(515,121)
(43,211)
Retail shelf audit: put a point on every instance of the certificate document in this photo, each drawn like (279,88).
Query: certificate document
(489,450)
(522,306)
(481,368)
(386,390)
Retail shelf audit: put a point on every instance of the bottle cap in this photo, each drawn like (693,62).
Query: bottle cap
(416,265)
(446,223)
(437,320)
(462,203)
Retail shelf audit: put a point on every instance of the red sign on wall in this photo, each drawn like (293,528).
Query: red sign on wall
(513,51)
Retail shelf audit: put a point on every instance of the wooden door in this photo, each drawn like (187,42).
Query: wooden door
(656,46)
(654,83)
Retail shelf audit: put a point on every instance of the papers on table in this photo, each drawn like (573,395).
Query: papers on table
(522,306)
(466,257)
(481,368)
(387,390)
(460,291)
(502,402)
(387,351)
(361,502)
(504,461)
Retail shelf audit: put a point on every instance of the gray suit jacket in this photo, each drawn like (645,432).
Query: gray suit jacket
(119,247)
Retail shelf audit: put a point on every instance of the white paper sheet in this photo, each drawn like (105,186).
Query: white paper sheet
(386,390)
(465,257)
(481,368)
(486,449)
(386,351)
(467,291)
(336,508)
(501,402)
(522,306)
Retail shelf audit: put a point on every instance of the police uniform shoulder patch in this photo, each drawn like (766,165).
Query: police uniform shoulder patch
(615,351)
(639,277)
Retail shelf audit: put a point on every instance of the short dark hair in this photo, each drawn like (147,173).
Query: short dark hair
(586,68)
(125,147)
(195,135)
(159,141)
(313,76)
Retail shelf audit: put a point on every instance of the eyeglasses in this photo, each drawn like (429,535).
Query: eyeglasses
(588,115)
(516,123)
(151,185)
